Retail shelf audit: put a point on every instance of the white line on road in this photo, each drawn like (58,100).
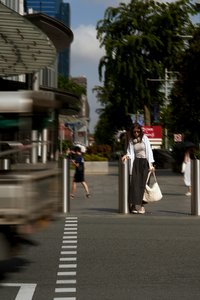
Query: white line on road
(70,242)
(69,247)
(68,252)
(66,273)
(65,290)
(68,266)
(26,290)
(68,259)
(66,281)
(65,298)
(70,228)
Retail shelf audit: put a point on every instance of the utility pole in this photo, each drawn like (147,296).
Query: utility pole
(166,103)
(166,82)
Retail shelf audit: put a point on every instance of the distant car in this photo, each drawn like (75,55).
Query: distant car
(163,158)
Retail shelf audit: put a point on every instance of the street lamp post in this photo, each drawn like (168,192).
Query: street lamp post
(166,82)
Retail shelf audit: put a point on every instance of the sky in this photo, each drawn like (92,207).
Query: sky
(85,50)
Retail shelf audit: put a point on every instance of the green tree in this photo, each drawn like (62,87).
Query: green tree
(185,96)
(69,85)
(140,39)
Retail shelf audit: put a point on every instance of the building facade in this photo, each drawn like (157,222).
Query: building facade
(28,110)
(60,11)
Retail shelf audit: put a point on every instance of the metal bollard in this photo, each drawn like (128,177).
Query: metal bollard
(5,164)
(66,184)
(123,186)
(195,180)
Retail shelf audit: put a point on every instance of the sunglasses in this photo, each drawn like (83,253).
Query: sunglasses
(136,131)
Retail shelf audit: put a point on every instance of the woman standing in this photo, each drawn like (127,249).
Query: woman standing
(141,162)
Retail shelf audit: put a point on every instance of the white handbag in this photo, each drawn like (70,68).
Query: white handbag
(152,193)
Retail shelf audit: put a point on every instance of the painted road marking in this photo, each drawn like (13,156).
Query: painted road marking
(68,259)
(66,273)
(25,292)
(65,298)
(65,286)
(71,221)
(66,281)
(70,242)
(68,228)
(65,290)
(69,247)
(68,266)
(68,252)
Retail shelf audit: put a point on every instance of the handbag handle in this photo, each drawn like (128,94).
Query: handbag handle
(149,174)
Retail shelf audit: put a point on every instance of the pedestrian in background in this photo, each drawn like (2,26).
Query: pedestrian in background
(141,162)
(186,170)
(79,175)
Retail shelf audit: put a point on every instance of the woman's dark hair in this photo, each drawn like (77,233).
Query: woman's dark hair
(136,126)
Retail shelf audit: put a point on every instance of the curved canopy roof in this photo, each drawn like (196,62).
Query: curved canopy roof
(60,35)
(24,48)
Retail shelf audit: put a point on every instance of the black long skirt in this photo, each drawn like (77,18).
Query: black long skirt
(138,181)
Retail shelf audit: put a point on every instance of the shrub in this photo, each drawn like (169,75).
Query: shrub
(94,157)
(100,150)
(197,154)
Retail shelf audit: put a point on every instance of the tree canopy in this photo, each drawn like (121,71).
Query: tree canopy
(141,39)
(184,116)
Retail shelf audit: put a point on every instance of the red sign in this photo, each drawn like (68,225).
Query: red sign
(153,132)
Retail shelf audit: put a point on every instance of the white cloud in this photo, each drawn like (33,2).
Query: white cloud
(85,56)
(85,45)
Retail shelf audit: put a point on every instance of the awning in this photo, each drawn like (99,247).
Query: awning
(27,101)
(24,48)
(69,104)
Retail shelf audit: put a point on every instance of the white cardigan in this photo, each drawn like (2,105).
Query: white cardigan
(131,153)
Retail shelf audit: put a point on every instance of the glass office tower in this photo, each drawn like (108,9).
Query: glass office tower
(61,11)
(49,7)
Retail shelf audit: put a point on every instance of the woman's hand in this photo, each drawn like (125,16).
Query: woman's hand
(151,168)
(124,157)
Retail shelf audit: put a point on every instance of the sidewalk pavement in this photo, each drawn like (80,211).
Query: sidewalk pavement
(104,189)
(105,200)
(137,257)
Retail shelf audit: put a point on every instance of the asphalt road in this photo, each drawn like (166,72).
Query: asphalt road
(95,253)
